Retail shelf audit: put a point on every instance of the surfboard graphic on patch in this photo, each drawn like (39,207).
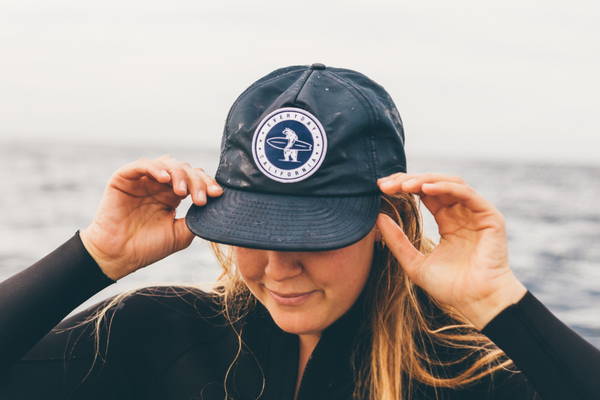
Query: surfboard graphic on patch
(289,145)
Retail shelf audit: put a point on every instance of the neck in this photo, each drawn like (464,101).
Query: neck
(307,345)
(308,342)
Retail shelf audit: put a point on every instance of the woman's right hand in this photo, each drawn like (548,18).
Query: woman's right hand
(135,224)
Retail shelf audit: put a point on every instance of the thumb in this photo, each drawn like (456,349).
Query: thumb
(396,240)
(183,235)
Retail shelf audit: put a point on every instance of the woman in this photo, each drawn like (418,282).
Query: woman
(329,289)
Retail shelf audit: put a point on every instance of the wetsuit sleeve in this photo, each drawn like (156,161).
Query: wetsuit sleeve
(34,301)
(557,362)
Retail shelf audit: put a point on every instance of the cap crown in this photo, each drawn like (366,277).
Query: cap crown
(363,135)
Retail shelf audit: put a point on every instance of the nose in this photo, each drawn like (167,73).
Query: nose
(283,265)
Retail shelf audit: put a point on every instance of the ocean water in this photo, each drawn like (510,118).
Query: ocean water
(51,189)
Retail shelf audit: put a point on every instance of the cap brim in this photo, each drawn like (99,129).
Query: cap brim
(283,222)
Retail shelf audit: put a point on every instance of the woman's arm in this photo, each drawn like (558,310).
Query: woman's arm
(68,362)
(469,271)
(36,362)
(34,300)
(558,362)
(134,226)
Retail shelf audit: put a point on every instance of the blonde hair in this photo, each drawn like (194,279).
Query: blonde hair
(406,323)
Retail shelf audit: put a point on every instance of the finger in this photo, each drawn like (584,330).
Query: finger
(145,167)
(452,193)
(396,240)
(199,183)
(414,183)
(398,177)
(196,184)
(183,235)
(213,187)
(407,182)
(179,180)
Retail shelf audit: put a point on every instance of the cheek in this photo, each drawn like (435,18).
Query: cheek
(345,276)
(251,272)
(250,265)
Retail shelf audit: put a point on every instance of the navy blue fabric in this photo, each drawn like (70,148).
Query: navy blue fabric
(363,127)
(365,141)
(293,223)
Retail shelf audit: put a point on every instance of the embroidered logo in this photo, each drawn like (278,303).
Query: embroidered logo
(289,145)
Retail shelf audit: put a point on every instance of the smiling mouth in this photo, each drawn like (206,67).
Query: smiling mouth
(291,299)
(290,295)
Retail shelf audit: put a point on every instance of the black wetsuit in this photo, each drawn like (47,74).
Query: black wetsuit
(175,346)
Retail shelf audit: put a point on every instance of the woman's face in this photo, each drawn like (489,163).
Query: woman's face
(328,282)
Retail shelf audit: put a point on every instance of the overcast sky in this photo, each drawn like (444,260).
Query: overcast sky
(509,79)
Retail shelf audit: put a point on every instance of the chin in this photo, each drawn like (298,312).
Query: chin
(297,324)
(300,321)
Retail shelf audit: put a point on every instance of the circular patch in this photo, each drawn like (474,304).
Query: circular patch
(289,145)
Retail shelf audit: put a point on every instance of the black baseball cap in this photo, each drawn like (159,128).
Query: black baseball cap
(301,152)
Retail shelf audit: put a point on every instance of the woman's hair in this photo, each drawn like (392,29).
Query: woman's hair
(407,325)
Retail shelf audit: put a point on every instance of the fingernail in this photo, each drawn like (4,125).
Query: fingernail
(164,173)
(182,186)
(410,181)
(201,197)
(216,188)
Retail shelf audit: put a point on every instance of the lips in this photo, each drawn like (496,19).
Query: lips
(290,295)
(291,299)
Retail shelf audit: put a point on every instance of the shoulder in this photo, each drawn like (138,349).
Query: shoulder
(167,308)
(153,314)
(178,299)
(145,318)
(151,327)
(154,327)
(501,379)
(501,384)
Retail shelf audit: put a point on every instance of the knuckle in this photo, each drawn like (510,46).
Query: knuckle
(501,218)
(498,223)
(194,175)
(116,173)
(193,185)
(177,171)
(193,172)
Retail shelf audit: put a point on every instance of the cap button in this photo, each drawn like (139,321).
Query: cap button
(317,66)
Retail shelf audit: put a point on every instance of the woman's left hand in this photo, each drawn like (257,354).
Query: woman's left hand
(469,268)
